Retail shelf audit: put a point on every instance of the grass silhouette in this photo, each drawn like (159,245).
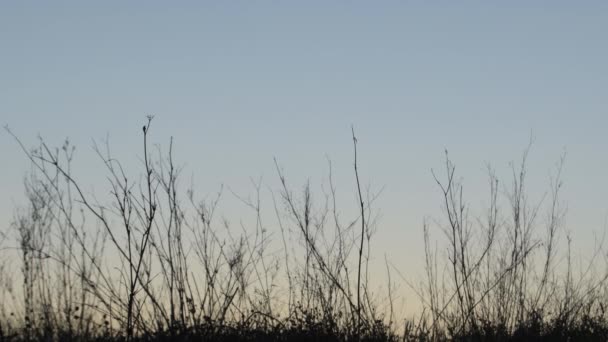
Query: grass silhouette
(154,263)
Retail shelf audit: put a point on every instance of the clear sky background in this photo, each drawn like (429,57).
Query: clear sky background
(240,82)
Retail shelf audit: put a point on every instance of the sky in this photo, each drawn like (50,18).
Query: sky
(238,83)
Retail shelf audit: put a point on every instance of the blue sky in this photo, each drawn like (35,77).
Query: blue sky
(238,83)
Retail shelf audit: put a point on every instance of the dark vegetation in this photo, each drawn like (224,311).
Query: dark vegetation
(153,263)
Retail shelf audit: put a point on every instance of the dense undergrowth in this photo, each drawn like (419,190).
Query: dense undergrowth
(152,262)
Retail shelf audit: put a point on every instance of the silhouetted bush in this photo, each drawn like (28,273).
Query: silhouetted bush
(154,264)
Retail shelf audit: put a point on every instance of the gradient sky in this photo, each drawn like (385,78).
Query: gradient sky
(240,82)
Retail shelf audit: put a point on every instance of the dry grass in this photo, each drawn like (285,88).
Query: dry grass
(154,263)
